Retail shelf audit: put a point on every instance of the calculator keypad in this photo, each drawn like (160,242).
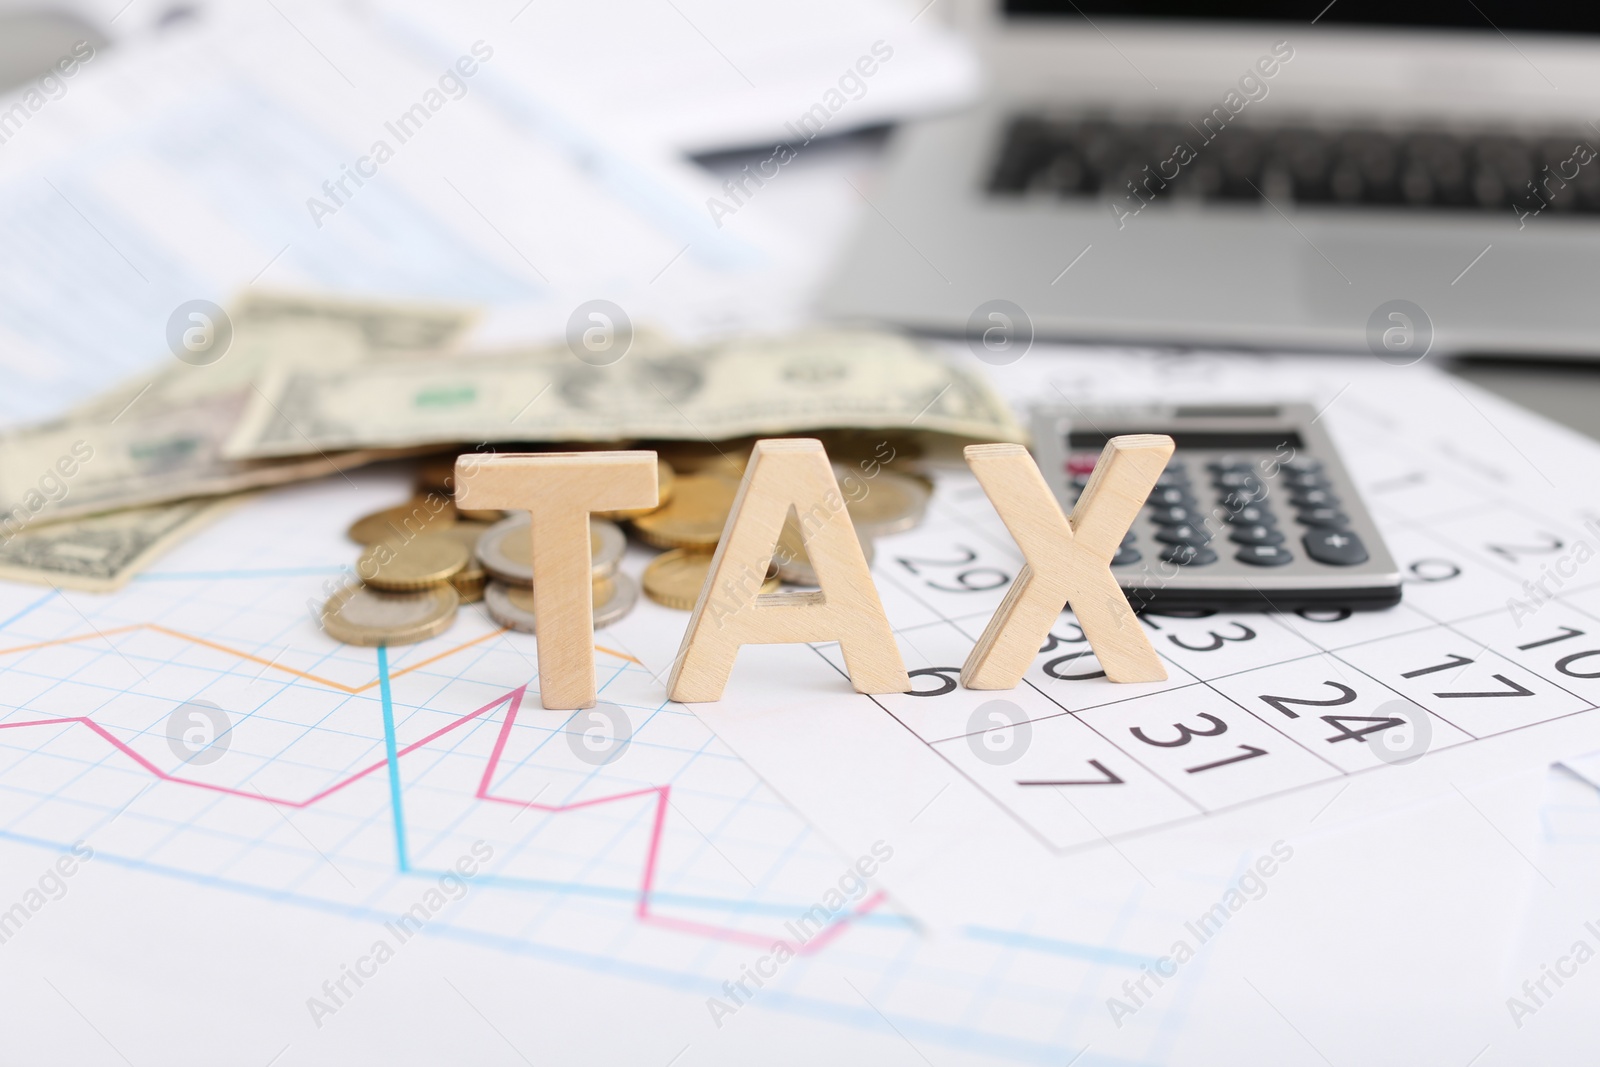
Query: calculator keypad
(1240,505)
(1253,510)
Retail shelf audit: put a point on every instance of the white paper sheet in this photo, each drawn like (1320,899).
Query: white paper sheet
(220,157)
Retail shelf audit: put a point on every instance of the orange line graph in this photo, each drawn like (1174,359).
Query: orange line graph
(274,664)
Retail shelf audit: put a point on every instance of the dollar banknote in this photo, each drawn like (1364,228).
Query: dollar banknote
(809,381)
(101,553)
(161,438)
(292,330)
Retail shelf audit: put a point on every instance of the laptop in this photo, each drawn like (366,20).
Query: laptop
(1398,177)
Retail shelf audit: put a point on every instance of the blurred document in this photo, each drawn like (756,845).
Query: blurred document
(297,146)
(699,75)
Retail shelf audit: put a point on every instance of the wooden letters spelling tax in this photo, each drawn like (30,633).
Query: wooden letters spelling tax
(1068,563)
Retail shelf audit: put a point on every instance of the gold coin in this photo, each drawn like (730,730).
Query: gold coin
(664,485)
(361,615)
(467,533)
(728,458)
(469,586)
(422,514)
(469,580)
(885,504)
(695,516)
(395,566)
(674,579)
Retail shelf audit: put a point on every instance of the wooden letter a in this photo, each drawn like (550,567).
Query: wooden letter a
(1069,561)
(731,612)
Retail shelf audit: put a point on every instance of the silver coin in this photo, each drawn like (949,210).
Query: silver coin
(607,543)
(497,598)
(510,605)
(506,552)
(624,595)
(798,571)
(885,504)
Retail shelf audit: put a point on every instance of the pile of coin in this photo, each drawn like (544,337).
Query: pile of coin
(881,503)
(425,558)
(505,551)
(418,566)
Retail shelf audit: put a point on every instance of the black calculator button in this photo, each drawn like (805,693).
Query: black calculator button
(1230,463)
(1303,465)
(1306,481)
(1182,535)
(1188,555)
(1127,539)
(1079,481)
(1337,548)
(1252,515)
(1236,499)
(1171,497)
(1313,498)
(1172,516)
(1126,556)
(1256,535)
(1245,479)
(1332,518)
(1173,478)
(1264,555)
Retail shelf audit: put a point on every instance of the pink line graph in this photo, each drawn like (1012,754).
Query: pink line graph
(513,704)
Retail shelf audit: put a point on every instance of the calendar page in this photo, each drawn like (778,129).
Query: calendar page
(1491,661)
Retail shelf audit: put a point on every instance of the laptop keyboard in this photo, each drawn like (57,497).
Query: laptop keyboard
(1357,166)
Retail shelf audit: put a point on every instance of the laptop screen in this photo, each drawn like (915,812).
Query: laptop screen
(1539,16)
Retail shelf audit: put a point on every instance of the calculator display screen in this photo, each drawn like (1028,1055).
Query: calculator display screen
(1253,440)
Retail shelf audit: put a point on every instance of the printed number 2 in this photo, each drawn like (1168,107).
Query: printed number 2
(968,579)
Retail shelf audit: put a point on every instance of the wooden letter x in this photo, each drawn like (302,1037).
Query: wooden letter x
(787,474)
(1068,561)
(558,490)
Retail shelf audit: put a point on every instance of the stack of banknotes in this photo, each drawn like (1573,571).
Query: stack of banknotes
(287,388)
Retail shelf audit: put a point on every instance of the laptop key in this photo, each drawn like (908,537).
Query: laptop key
(1336,167)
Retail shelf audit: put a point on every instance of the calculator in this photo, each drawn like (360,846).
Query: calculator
(1254,511)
